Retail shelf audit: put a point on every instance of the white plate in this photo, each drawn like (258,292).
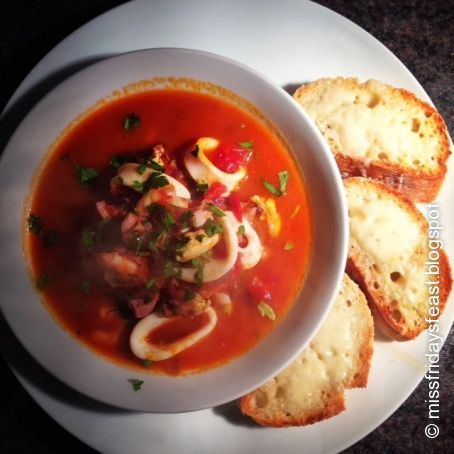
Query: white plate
(291,41)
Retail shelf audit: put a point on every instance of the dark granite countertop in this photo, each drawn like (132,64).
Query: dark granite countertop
(420,33)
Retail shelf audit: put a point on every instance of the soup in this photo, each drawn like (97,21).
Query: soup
(169,230)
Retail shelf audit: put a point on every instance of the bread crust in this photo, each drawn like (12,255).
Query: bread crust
(333,405)
(418,183)
(326,399)
(360,267)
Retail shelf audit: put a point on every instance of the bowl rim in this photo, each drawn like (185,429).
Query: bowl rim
(11,316)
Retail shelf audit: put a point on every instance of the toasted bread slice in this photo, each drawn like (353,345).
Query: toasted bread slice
(378,131)
(312,387)
(388,252)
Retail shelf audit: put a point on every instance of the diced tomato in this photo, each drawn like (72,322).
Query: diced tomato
(229,157)
(235,205)
(215,191)
(258,291)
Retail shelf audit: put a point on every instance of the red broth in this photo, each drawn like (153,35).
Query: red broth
(92,311)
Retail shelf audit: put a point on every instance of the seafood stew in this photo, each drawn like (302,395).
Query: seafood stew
(160,229)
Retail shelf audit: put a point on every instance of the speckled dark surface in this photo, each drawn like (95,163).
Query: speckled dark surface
(421,35)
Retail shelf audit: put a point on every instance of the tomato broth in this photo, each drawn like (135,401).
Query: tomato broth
(75,243)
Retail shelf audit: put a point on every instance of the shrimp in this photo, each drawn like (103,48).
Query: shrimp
(123,269)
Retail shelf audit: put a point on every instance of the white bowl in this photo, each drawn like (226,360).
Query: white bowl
(74,363)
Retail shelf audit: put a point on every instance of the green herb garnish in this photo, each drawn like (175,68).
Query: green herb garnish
(247,144)
(266,311)
(171,269)
(162,215)
(86,174)
(185,218)
(241,230)
(198,265)
(152,247)
(283,180)
(136,384)
(141,169)
(34,223)
(212,228)
(216,211)
(50,238)
(155,180)
(132,121)
(202,187)
(148,362)
(195,151)
(88,238)
(277,192)
(152,286)
(154,165)
(200,237)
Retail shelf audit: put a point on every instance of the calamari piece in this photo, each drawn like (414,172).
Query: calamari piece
(141,339)
(199,243)
(202,169)
(215,268)
(250,254)
(130,176)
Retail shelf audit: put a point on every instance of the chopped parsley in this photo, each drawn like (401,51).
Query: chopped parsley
(88,238)
(85,287)
(85,175)
(147,363)
(171,269)
(198,265)
(185,218)
(50,238)
(163,216)
(132,121)
(152,286)
(288,246)
(141,169)
(202,187)
(277,192)
(136,384)
(152,164)
(283,180)
(266,311)
(216,211)
(155,180)
(247,144)
(241,230)
(195,151)
(152,246)
(43,281)
(34,224)
(212,228)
